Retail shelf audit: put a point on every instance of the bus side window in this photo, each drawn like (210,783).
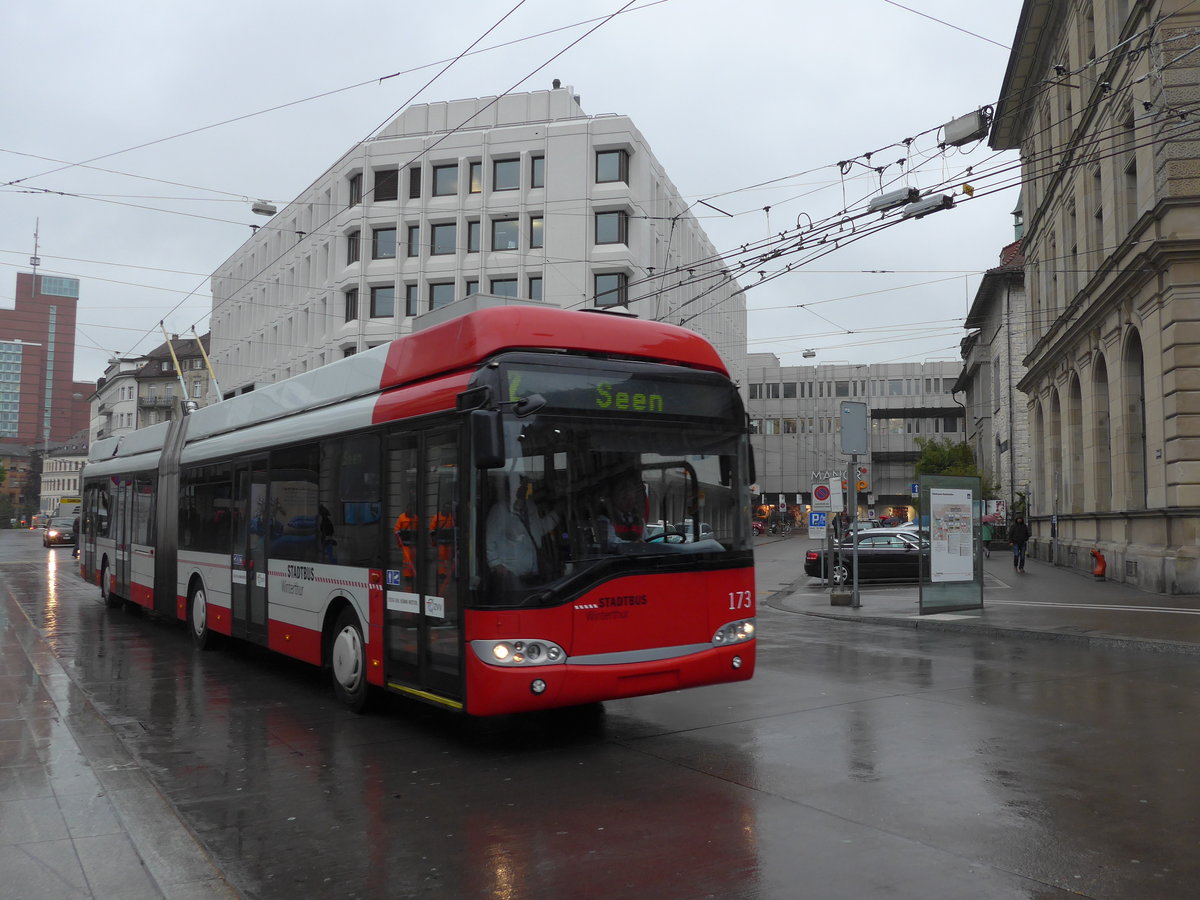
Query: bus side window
(293,513)
(350,504)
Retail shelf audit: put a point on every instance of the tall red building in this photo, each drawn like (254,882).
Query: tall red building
(40,402)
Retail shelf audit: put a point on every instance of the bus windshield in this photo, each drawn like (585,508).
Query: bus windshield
(579,499)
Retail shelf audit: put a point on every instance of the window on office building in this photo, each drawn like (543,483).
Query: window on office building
(841,389)
(352,247)
(383,243)
(476,177)
(355,185)
(473,238)
(444,239)
(789,390)
(535,287)
(351,304)
(612,165)
(472,286)
(445,181)
(383,302)
(506,174)
(413,241)
(504,287)
(411,300)
(387,184)
(612,289)
(756,391)
(536,231)
(414,182)
(949,425)
(895,387)
(537,171)
(612,227)
(505,234)
(441,294)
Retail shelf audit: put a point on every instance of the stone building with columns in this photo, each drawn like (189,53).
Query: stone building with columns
(1099,97)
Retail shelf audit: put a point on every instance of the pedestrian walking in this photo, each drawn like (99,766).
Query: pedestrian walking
(1018,536)
(985,535)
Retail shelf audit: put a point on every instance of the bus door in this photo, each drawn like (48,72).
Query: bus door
(423,618)
(121,528)
(89,524)
(251,520)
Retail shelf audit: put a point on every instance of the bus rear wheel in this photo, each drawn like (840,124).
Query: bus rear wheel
(202,635)
(348,662)
(111,601)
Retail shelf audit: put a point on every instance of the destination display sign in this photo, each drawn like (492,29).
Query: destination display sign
(620,393)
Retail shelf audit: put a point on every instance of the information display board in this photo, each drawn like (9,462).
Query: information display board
(952,573)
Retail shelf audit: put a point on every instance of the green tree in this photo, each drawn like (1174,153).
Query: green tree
(942,456)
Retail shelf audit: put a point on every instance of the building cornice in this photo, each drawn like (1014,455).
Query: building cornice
(1037,29)
(1123,275)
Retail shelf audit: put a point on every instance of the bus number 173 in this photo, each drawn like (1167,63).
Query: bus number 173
(741,600)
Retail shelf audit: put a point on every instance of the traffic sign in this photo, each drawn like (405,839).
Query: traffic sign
(816,524)
(916,489)
(821,497)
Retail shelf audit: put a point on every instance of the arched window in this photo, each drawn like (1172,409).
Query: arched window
(1101,436)
(1074,498)
(1054,457)
(1039,460)
(1133,403)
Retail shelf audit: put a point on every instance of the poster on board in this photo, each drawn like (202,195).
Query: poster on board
(951,535)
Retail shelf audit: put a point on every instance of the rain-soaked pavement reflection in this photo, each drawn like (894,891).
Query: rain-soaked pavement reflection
(861,761)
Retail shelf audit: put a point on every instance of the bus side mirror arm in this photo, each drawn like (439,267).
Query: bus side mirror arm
(487,439)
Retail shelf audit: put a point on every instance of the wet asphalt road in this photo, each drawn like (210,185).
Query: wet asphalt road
(862,761)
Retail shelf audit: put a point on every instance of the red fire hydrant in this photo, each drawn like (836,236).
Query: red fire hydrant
(1100,566)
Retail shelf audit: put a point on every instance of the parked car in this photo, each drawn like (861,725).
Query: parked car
(58,531)
(884,554)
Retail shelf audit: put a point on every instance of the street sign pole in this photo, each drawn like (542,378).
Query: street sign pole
(855,601)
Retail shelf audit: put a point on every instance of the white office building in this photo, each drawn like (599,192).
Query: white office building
(522,196)
(795,426)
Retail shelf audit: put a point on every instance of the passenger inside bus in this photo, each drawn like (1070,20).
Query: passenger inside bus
(521,534)
(627,519)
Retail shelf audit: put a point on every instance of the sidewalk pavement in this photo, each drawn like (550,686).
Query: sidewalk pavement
(78,817)
(1046,602)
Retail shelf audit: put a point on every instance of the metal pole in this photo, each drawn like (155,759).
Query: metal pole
(852,489)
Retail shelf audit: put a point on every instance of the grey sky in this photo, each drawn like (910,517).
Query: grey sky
(729,95)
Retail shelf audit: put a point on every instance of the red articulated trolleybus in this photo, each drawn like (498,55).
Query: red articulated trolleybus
(512,510)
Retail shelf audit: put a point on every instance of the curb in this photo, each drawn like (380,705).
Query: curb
(1092,640)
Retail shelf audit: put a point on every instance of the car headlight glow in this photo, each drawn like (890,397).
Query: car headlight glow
(734,633)
(524,652)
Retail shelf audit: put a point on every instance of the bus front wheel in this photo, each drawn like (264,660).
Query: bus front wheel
(348,662)
(202,635)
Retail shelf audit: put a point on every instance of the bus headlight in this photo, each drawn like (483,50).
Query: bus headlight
(734,633)
(522,652)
